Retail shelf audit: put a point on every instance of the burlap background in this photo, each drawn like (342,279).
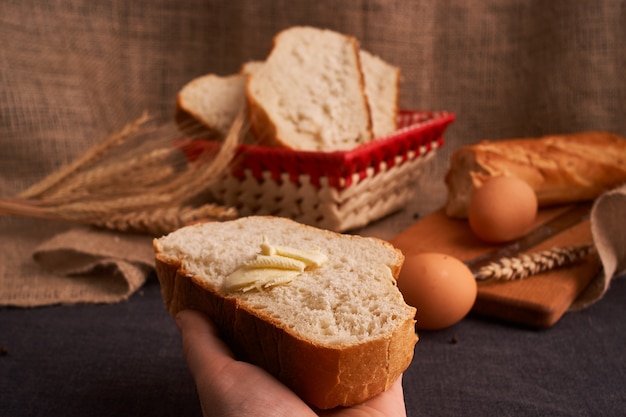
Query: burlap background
(72,72)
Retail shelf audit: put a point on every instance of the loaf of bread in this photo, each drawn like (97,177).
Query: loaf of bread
(337,331)
(560,168)
(310,93)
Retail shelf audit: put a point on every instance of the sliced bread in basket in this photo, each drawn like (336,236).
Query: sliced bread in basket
(317,90)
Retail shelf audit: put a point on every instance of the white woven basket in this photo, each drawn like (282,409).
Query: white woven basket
(337,190)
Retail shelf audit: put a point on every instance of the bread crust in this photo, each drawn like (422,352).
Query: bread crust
(560,168)
(341,376)
(397,98)
(261,125)
(191,125)
(370,122)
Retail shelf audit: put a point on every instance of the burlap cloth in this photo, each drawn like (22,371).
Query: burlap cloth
(78,265)
(72,72)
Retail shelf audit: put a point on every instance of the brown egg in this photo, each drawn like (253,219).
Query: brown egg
(503,209)
(439,286)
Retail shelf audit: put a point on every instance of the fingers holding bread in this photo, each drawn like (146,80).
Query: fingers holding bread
(227,386)
(199,332)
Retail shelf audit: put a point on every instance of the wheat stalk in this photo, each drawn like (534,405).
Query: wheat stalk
(162,221)
(121,185)
(525,265)
(58,176)
(111,175)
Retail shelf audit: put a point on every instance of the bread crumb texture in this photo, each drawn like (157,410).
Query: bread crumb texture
(350,298)
(311,86)
(214,100)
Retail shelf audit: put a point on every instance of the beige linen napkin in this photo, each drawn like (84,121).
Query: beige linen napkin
(608,228)
(114,264)
(79,265)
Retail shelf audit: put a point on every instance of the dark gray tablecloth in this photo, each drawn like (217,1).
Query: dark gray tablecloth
(126,360)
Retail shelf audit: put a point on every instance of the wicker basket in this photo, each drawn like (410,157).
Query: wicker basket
(339,190)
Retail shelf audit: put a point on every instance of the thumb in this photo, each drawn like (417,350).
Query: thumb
(227,386)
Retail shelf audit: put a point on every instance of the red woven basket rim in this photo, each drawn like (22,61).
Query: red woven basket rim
(419,131)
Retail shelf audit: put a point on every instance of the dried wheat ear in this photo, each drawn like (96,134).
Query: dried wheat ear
(134,180)
(526,265)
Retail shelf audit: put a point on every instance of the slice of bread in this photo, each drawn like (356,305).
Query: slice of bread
(310,94)
(208,105)
(337,334)
(382,87)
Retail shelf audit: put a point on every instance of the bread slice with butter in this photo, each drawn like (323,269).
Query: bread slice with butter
(317,309)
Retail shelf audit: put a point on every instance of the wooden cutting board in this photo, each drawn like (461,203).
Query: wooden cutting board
(537,301)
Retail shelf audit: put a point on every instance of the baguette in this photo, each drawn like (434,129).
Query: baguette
(310,93)
(560,168)
(338,334)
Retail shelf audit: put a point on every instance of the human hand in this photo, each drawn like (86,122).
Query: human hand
(228,387)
